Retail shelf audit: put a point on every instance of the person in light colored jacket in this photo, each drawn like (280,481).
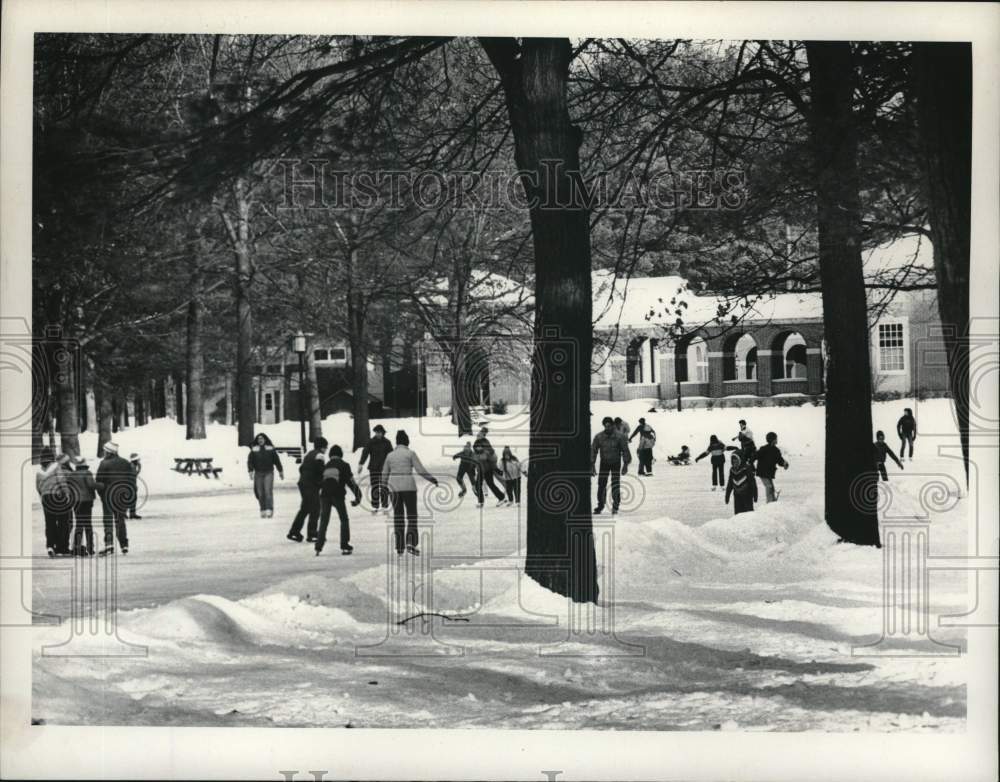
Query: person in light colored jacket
(510,467)
(50,481)
(397,475)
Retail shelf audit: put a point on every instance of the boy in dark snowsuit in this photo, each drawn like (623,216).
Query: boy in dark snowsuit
(906,428)
(717,451)
(84,491)
(337,477)
(768,459)
(374,453)
(467,466)
(742,486)
(882,450)
(310,481)
(136,469)
(612,446)
(115,483)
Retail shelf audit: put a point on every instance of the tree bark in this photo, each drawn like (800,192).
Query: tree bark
(179,397)
(357,338)
(105,415)
(560,544)
(312,396)
(851,490)
(40,413)
(140,409)
(194,368)
(67,392)
(942,88)
(160,398)
(246,408)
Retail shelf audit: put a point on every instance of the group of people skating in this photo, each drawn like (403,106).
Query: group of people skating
(68,491)
(325,477)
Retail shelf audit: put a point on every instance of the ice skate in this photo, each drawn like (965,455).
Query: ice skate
(293,537)
(346,550)
(413,550)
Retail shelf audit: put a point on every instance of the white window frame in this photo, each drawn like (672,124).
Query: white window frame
(904,338)
(268,402)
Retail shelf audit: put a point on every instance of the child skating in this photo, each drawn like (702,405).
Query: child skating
(510,468)
(768,460)
(716,450)
(882,450)
(742,486)
(683,459)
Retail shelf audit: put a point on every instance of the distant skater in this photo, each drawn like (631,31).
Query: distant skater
(510,468)
(310,483)
(375,453)
(644,453)
(115,484)
(769,458)
(467,467)
(612,448)
(84,493)
(136,463)
(742,486)
(882,450)
(398,476)
(716,450)
(682,459)
(906,428)
(50,481)
(262,461)
(337,478)
(748,448)
(487,468)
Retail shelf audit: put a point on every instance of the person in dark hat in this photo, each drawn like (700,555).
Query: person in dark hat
(50,481)
(310,482)
(337,479)
(375,453)
(612,448)
(136,469)
(84,493)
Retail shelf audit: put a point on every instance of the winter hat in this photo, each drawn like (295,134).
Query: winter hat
(320,443)
(736,458)
(134,457)
(379,428)
(336,451)
(111,447)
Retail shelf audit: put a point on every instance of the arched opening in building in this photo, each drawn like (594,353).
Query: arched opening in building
(691,360)
(641,356)
(739,357)
(788,356)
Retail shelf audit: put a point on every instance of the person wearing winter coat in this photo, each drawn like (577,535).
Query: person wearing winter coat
(612,448)
(906,429)
(116,485)
(262,461)
(310,481)
(510,468)
(644,453)
(468,466)
(136,469)
(50,482)
(337,478)
(375,452)
(769,458)
(682,459)
(84,492)
(622,427)
(742,486)
(487,468)
(398,476)
(881,450)
(717,451)
(748,448)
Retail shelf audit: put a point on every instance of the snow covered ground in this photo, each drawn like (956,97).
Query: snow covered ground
(707,621)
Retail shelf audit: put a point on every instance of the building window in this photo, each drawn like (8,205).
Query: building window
(321,354)
(268,402)
(338,354)
(891,348)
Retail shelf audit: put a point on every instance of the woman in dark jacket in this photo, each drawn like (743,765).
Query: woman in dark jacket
(717,451)
(262,461)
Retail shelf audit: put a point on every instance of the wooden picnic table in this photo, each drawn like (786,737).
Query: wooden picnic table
(190,465)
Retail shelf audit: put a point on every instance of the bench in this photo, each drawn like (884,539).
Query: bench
(191,465)
(294,451)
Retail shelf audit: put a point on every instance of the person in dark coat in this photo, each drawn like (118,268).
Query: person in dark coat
(682,459)
(50,481)
(769,458)
(337,478)
(881,450)
(374,453)
(748,448)
(262,461)
(468,466)
(716,450)
(612,447)
(310,482)
(84,493)
(742,486)
(136,463)
(906,428)
(487,468)
(115,484)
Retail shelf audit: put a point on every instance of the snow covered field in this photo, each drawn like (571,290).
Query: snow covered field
(708,621)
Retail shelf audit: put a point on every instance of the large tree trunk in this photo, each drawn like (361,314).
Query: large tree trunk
(246,408)
(194,369)
(942,87)
(357,338)
(461,416)
(312,396)
(40,414)
(91,399)
(68,394)
(850,496)
(160,398)
(105,415)
(560,545)
(179,397)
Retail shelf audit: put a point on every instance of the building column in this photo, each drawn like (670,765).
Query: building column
(764,378)
(814,370)
(668,375)
(716,373)
(618,377)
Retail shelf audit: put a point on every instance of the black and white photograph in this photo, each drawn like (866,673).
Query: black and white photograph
(512,376)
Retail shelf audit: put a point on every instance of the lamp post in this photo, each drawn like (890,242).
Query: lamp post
(299,346)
